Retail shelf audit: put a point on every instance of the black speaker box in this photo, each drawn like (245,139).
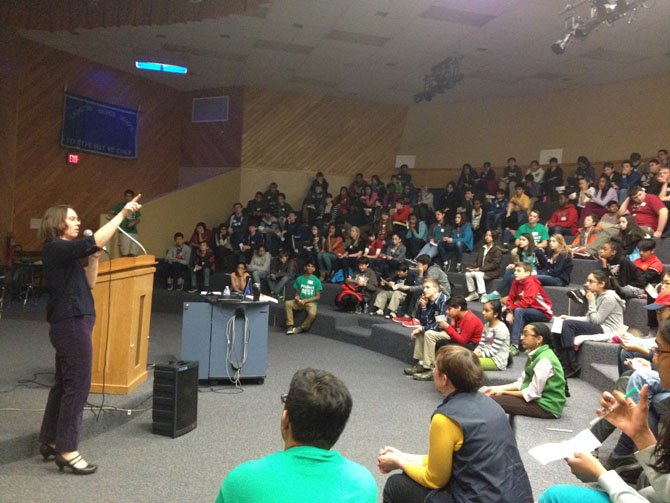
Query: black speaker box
(175,405)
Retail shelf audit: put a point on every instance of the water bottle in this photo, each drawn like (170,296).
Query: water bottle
(256,291)
(226,291)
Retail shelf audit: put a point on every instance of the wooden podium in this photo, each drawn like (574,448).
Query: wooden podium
(122,297)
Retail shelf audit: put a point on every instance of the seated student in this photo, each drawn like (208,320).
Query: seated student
(531,188)
(477,217)
(553,178)
(250,243)
(416,235)
(460,241)
(437,232)
(629,178)
(627,280)
(432,317)
(486,266)
(333,248)
(612,216)
(464,328)
(357,290)
(585,238)
(177,260)
(604,315)
(307,294)
(583,195)
(527,302)
(373,250)
(514,218)
(537,230)
(282,270)
(472,453)
(555,265)
(200,233)
(392,291)
(525,252)
(564,219)
(653,455)
(520,199)
(259,266)
(496,210)
(648,210)
(493,348)
(392,256)
(316,410)
(629,235)
(223,249)
(400,215)
(603,194)
(650,265)
(353,250)
(239,278)
(540,391)
(203,266)
(425,269)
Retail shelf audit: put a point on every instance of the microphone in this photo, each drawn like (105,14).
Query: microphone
(133,240)
(88,233)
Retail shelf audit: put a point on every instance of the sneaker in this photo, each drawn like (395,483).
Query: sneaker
(378,312)
(180,284)
(459,267)
(414,369)
(409,260)
(513,350)
(401,319)
(472,296)
(487,297)
(390,316)
(577,295)
(412,324)
(193,290)
(294,331)
(170,287)
(426,375)
(445,266)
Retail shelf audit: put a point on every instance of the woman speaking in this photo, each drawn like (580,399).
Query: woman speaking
(71,269)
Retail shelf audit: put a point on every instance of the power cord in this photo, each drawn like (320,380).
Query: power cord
(231,337)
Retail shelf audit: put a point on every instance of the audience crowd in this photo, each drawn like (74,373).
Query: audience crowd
(391,248)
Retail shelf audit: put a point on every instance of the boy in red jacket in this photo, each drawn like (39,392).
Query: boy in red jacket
(564,220)
(527,302)
(464,328)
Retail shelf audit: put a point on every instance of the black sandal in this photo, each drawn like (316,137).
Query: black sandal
(69,463)
(48,452)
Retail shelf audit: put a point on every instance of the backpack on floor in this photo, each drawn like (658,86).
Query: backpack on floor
(349,297)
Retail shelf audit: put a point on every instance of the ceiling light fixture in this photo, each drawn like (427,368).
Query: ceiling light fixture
(160,67)
(600,11)
(443,76)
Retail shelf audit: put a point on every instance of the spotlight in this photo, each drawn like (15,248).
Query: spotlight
(559,46)
(583,29)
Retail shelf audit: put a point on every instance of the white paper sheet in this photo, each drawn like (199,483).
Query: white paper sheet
(584,441)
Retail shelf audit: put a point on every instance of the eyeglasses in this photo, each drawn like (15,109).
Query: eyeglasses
(283,398)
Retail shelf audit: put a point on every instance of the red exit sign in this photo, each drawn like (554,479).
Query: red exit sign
(73,158)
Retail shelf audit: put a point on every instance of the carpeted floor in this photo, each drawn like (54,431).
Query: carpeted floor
(389,409)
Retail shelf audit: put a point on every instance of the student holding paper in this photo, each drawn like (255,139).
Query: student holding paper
(653,454)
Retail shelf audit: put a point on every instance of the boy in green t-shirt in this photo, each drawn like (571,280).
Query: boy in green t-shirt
(307,293)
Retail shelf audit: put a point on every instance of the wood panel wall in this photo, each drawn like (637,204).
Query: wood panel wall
(213,144)
(9,69)
(293,132)
(97,183)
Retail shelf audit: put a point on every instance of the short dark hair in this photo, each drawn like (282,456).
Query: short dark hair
(461,366)
(363,260)
(402,268)
(634,190)
(129,192)
(424,259)
(458,301)
(318,405)
(309,261)
(601,277)
(178,235)
(615,245)
(647,245)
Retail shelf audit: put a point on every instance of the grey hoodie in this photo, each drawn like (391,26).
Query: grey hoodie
(606,310)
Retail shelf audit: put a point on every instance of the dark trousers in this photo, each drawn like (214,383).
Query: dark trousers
(448,342)
(65,406)
(573,328)
(517,406)
(399,488)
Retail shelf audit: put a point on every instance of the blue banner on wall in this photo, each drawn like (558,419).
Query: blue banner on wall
(100,128)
